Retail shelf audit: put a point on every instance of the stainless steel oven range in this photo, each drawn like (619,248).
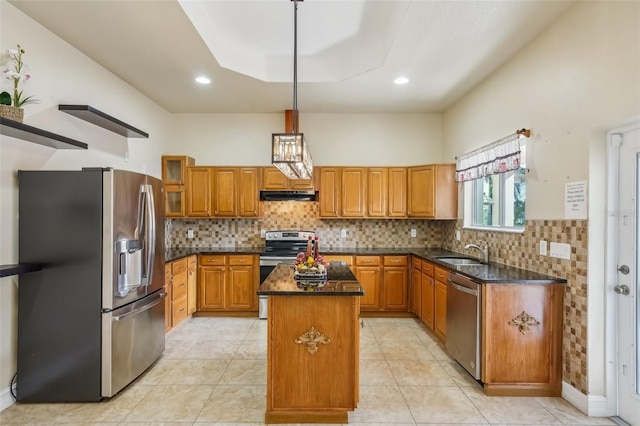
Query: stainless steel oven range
(280,247)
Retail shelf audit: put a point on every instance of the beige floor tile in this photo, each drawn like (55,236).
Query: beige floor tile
(459,375)
(419,372)
(393,332)
(195,372)
(438,351)
(235,403)
(375,372)
(441,405)
(245,372)
(154,374)
(370,349)
(516,410)
(381,404)
(171,403)
(212,349)
(109,410)
(258,331)
(252,349)
(177,349)
(21,413)
(570,415)
(405,349)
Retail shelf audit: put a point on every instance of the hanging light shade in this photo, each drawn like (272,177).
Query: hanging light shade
(289,151)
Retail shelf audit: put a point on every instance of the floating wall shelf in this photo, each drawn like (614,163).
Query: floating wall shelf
(18,269)
(99,118)
(39,136)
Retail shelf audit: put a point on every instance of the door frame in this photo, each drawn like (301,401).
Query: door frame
(611,258)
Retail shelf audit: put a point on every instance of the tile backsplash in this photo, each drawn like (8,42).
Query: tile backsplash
(515,249)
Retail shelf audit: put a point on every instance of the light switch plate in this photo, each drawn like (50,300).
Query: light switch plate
(457,235)
(343,233)
(543,247)
(560,250)
(263,233)
(413,233)
(190,233)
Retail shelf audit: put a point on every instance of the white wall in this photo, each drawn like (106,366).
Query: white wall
(577,80)
(334,139)
(61,74)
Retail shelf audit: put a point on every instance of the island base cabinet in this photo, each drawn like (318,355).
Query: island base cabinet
(312,359)
(522,339)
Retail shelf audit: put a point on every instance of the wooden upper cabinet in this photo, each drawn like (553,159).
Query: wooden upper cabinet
(397,192)
(432,191)
(329,195)
(354,190)
(377,191)
(274,180)
(248,192)
(225,192)
(174,169)
(199,191)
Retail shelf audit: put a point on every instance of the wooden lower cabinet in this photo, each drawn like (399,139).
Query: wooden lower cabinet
(167,299)
(440,302)
(428,301)
(416,286)
(228,283)
(522,339)
(394,283)
(192,283)
(369,279)
(304,386)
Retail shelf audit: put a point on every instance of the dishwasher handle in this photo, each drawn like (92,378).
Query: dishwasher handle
(463,289)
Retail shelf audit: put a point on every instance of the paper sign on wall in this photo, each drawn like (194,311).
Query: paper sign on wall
(575,200)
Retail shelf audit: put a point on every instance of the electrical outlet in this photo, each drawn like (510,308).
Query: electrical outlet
(263,233)
(343,233)
(560,250)
(413,233)
(457,235)
(543,247)
(190,233)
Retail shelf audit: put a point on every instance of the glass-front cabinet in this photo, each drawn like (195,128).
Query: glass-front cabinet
(174,176)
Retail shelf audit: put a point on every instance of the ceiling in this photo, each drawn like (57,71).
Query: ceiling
(349,52)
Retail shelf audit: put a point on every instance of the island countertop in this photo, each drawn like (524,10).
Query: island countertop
(340,282)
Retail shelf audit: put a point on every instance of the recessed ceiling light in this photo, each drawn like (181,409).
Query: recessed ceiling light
(203,80)
(401,80)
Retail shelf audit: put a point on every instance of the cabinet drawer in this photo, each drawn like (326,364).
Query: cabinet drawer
(427,268)
(192,262)
(179,310)
(339,258)
(395,260)
(178,266)
(242,259)
(179,288)
(212,259)
(416,263)
(441,274)
(367,260)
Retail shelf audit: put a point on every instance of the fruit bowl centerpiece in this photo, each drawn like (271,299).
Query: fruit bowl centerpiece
(310,268)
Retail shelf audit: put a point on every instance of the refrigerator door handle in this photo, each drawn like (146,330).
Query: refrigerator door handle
(150,229)
(136,311)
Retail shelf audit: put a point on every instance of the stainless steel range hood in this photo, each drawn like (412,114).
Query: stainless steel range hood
(288,196)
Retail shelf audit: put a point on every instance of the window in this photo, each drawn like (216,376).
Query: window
(497,200)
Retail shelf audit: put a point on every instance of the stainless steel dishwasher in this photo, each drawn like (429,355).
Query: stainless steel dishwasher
(463,322)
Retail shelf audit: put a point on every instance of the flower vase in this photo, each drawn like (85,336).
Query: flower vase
(12,113)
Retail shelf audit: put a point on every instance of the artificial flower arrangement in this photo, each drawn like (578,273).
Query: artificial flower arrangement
(16,70)
(307,264)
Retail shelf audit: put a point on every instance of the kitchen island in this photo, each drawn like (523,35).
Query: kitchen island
(313,346)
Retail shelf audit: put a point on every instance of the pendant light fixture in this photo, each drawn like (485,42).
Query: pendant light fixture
(289,151)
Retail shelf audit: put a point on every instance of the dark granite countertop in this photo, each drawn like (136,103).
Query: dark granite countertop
(490,273)
(340,282)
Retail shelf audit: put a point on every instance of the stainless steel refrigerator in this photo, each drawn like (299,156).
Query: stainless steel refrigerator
(92,319)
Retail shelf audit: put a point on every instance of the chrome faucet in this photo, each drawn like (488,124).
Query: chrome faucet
(484,249)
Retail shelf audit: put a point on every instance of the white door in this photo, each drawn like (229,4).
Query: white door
(628,371)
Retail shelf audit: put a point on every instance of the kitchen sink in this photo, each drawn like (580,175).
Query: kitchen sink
(460,260)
